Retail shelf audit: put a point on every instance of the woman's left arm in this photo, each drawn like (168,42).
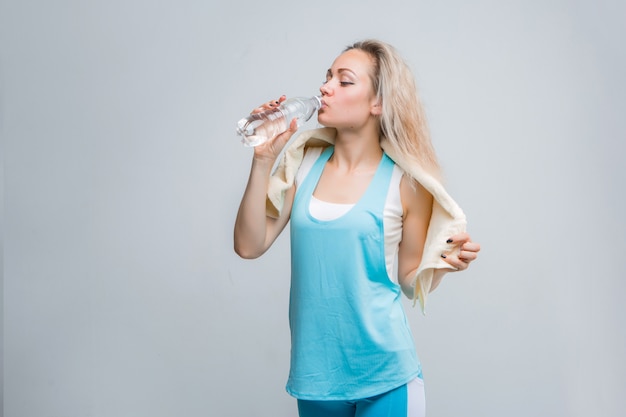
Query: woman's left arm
(417,207)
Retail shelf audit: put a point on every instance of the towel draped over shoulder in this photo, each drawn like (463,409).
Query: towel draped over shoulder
(447,218)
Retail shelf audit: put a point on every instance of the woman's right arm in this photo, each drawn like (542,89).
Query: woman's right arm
(254,230)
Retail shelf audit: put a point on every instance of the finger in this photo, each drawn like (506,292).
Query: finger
(270,105)
(293,126)
(459,238)
(467,256)
(471,247)
(455,262)
(281,140)
(276,103)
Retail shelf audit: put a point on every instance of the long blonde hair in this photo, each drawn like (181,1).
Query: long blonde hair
(403,120)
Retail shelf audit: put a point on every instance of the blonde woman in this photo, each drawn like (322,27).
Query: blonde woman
(369,221)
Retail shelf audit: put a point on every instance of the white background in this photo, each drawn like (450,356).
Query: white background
(122,176)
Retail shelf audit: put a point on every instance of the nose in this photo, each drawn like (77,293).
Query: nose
(324,89)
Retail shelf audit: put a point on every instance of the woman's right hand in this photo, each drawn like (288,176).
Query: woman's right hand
(272,148)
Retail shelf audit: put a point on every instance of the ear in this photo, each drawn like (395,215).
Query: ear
(377,107)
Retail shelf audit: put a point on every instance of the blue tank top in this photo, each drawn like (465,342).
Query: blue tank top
(350,338)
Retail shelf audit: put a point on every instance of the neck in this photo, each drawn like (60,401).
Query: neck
(355,150)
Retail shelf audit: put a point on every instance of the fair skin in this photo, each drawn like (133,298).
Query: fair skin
(350,105)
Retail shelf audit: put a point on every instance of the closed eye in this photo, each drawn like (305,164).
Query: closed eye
(330,76)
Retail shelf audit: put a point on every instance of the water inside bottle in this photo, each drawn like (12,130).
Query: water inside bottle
(258,128)
(255,131)
(247,125)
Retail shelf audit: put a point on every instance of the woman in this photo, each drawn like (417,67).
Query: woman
(360,227)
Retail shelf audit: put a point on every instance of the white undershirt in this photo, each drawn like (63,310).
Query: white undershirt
(392,213)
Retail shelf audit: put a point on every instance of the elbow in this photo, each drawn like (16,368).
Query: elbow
(246,255)
(408,292)
(247,245)
(242,246)
(245,252)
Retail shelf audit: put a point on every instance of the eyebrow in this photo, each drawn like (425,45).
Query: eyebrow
(340,70)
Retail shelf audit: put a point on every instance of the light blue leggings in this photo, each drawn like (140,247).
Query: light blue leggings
(405,401)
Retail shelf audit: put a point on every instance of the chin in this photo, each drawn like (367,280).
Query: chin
(321,121)
(327,121)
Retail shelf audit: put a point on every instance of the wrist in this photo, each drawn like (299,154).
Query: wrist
(263,162)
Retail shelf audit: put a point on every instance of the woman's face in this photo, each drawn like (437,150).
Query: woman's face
(348,96)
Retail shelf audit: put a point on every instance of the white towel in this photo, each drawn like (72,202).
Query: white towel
(447,218)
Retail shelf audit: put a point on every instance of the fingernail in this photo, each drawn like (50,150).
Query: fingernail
(443,256)
(449,241)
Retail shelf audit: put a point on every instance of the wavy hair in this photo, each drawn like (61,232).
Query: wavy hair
(403,120)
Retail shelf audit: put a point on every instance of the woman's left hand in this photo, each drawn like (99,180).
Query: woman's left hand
(463,251)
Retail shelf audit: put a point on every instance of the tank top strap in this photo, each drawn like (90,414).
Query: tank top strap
(372,198)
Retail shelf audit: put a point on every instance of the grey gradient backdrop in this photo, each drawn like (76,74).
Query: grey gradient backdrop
(122,175)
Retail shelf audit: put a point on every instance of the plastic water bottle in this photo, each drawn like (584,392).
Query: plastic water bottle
(261,127)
